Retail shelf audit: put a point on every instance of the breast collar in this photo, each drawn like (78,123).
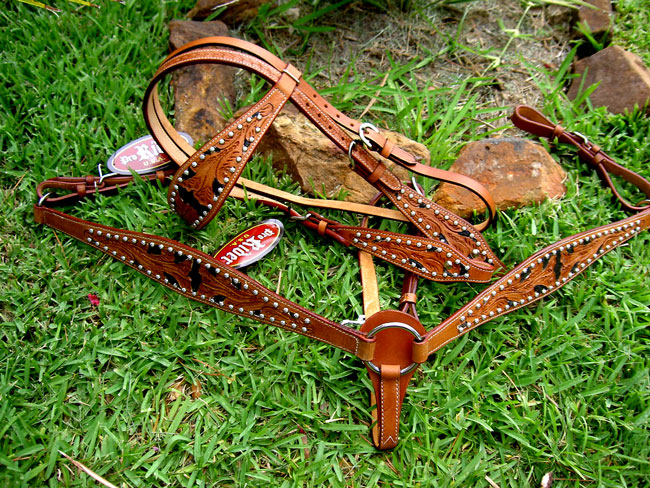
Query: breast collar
(393,343)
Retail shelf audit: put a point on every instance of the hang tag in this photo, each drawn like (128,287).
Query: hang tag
(143,156)
(252,244)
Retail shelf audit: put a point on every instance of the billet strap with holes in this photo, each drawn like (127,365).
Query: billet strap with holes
(208,176)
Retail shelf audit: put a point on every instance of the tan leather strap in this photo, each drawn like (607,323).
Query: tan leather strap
(393,356)
(202,278)
(424,214)
(536,277)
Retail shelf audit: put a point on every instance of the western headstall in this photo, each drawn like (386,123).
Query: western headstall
(444,248)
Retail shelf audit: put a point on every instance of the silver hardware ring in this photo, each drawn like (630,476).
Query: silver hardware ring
(43,198)
(394,325)
(362,135)
(352,144)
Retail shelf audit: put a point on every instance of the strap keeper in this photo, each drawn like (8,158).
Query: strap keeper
(322,226)
(293,72)
(81,191)
(388,148)
(558,130)
(408,298)
(376,173)
(598,159)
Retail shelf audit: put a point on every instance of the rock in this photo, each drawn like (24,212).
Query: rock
(624,81)
(199,91)
(299,148)
(599,19)
(236,12)
(517,172)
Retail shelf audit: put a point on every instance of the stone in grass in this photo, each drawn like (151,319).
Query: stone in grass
(236,11)
(311,159)
(624,81)
(516,172)
(200,90)
(596,17)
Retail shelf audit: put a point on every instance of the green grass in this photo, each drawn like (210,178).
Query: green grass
(563,386)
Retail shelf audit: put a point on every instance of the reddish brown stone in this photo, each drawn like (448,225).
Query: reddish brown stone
(517,172)
(236,12)
(200,90)
(624,81)
(299,148)
(597,18)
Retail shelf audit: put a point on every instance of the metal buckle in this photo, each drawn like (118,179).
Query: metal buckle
(43,198)
(584,138)
(359,321)
(300,218)
(102,176)
(394,325)
(362,135)
(352,144)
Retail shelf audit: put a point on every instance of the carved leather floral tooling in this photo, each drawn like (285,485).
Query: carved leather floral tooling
(391,342)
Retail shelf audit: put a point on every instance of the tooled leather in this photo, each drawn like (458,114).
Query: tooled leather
(202,278)
(428,258)
(317,113)
(539,275)
(423,216)
(203,183)
(439,223)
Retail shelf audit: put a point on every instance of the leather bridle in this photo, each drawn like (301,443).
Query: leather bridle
(443,248)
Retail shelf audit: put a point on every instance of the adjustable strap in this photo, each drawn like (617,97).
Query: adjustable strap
(530,120)
(432,220)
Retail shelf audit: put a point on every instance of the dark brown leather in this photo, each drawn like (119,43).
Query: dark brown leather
(530,120)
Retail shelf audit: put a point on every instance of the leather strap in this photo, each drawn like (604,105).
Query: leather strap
(392,343)
(530,120)
(423,213)
(202,278)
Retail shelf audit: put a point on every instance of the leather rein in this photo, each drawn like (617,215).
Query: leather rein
(444,247)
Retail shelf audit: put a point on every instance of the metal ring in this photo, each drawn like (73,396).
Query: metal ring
(394,325)
(352,144)
(645,202)
(585,139)
(419,190)
(362,136)
(102,175)
(300,218)
(43,198)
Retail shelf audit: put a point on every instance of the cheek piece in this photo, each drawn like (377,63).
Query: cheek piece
(443,246)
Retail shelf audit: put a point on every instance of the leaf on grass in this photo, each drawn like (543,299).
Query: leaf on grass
(83,2)
(88,471)
(196,390)
(547,480)
(40,5)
